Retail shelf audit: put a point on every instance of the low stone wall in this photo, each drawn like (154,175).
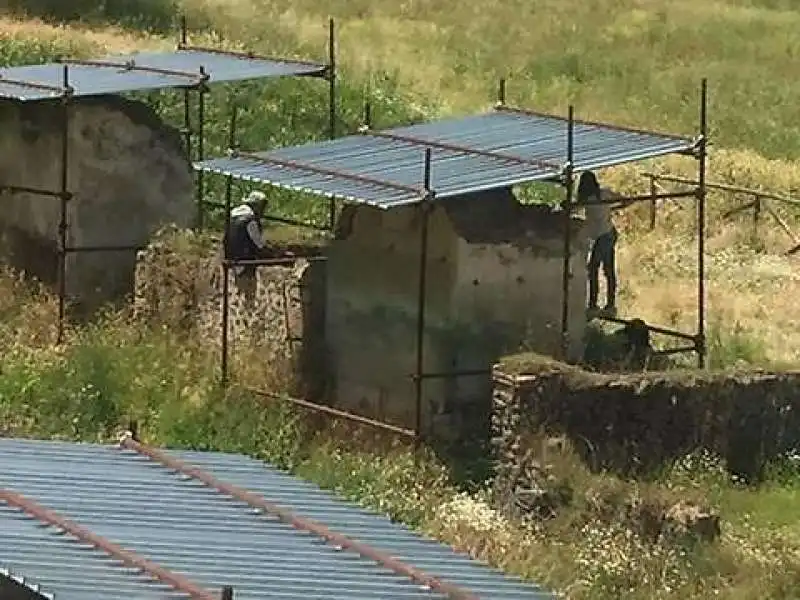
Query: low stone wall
(639,422)
(179,285)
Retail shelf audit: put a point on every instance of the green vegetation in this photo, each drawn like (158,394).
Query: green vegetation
(627,61)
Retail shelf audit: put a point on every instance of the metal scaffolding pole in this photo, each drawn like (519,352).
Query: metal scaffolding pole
(425,207)
(568,182)
(202,89)
(64,197)
(332,112)
(702,156)
(225,265)
(183,42)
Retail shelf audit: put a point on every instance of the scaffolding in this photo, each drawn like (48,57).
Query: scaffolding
(189,68)
(698,150)
(505,147)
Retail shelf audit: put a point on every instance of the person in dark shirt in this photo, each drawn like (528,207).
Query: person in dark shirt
(244,240)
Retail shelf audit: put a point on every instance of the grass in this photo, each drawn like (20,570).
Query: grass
(114,371)
(630,61)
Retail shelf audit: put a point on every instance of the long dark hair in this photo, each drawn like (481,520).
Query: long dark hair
(588,186)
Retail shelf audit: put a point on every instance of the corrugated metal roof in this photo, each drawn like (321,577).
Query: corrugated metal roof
(176,69)
(522,141)
(209,537)
(66,568)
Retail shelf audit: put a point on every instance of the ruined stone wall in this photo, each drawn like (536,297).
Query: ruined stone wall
(128,174)
(639,422)
(493,285)
(280,335)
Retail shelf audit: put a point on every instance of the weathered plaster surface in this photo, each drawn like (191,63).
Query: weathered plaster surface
(128,174)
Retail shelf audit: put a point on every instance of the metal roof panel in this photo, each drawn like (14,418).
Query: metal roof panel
(154,71)
(468,154)
(209,537)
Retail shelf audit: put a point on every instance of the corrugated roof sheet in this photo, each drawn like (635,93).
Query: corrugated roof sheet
(94,80)
(211,538)
(523,141)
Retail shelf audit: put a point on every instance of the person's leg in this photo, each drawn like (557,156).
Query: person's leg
(610,271)
(593,272)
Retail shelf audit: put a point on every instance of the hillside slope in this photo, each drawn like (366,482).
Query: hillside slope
(637,62)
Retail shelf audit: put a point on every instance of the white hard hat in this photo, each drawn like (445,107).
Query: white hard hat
(255,198)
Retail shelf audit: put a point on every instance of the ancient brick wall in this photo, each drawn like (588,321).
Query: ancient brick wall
(639,422)
(179,284)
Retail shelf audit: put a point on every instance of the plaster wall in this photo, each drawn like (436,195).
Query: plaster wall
(128,174)
(494,284)
(371,312)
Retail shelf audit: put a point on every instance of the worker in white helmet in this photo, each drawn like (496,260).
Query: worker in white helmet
(244,239)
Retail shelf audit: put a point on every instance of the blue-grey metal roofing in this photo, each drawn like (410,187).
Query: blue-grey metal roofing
(211,538)
(94,80)
(529,137)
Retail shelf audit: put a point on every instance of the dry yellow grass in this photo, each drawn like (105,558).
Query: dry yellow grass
(108,39)
(628,61)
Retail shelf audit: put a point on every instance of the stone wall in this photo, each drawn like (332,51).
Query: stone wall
(128,174)
(639,422)
(372,306)
(494,277)
(278,335)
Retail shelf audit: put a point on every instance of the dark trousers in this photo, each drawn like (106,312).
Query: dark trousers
(603,255)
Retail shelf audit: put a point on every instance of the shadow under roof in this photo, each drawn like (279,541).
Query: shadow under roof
(145,71)
(207,536)
(498,149)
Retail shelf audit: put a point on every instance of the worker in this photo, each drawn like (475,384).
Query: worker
(602,236)
(244,240)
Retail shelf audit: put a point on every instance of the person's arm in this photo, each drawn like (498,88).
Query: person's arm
(620,204)
(255,235)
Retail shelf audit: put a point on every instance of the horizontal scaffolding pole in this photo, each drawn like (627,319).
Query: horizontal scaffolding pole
(22,189)
(534,113)
(275,218)
(247,55)
(754,204)
(723,187)
(336,413)
(291,164)
(295,223)
(655,329)
(121,248)
(131,65)
(638,198)
(36,86)
(452,374)
(461,149)
(679,350)
(267,262)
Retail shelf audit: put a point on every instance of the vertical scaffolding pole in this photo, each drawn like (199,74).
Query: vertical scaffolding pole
(421,297)
(225,268)
(187,105)
(64,197)
(201,117)
(501,93)
(701,226)
(332,105)
(367,119)
(568,182)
